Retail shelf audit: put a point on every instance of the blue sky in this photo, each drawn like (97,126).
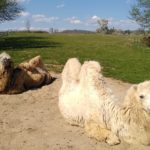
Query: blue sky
(72,14)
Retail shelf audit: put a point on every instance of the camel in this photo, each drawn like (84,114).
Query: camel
(25,76)
(85,100)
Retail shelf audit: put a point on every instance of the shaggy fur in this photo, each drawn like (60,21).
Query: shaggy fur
(130,121)
(78,91)
(86,100)
(27,75)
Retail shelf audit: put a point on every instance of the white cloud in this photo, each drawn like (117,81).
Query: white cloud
(74,20)
(43,18)
(69,23)
(95,17)
(24,14)
(92,20)
(60,6)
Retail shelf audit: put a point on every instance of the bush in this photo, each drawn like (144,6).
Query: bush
(146,40)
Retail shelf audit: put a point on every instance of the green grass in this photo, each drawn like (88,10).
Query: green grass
(121,57)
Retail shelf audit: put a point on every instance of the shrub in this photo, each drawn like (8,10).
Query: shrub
(146,40)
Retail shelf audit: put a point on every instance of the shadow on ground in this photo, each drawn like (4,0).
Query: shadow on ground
(17,43)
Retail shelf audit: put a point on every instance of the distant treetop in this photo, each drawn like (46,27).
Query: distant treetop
(140,12)
(9,10)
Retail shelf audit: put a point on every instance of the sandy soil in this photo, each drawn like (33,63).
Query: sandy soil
(32,121)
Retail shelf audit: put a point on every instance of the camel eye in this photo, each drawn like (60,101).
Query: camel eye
(141,96)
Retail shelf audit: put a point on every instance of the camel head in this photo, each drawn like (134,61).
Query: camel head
(139,95)
(143,95)
(5,61)
(6,68)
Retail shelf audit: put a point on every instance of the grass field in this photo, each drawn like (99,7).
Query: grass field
(121,57)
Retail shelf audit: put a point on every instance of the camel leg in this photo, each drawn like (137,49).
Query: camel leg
(113,139)
(37,62)
(94,130)
(17,85)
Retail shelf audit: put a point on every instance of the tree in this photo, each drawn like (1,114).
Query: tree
(140,12)
(28,25)
(103,25)
(9,10)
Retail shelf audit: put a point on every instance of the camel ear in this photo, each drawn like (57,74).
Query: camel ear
(132,90)
(134,87)
(130,94)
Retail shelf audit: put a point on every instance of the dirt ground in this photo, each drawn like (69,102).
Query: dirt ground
(32,121)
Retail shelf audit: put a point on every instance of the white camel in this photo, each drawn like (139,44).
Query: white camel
(85,100)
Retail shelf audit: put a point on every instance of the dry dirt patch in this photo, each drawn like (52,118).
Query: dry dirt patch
(32,121)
